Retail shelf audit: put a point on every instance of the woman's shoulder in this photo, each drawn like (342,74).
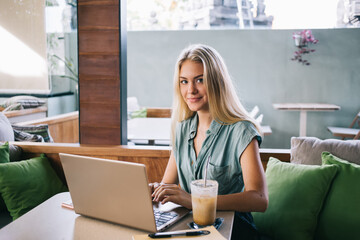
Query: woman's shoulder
(243,125)
(247,130)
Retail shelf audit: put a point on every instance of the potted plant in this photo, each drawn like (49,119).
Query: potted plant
(302,41)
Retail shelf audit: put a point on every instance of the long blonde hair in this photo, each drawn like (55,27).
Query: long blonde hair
(224,105)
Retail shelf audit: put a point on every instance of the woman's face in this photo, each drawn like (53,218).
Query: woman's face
(192,86)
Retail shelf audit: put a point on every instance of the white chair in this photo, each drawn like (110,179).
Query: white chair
(349,132)
(259,118)
(132,104)
(253,113)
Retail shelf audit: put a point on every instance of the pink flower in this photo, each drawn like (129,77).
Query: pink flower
(302,39)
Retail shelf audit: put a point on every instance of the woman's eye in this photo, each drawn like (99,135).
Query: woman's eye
(200,80)
(183,81)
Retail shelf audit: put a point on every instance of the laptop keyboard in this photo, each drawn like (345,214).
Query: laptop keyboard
(163,217)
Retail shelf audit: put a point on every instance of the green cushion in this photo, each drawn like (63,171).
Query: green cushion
(26,184)
(4,153)
(4,158)
(340,217)
(296,195)
(141,113)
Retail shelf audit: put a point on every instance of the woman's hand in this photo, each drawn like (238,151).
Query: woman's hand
(153,186)
(172,193)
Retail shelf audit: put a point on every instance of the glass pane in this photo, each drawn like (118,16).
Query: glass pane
(244,14)
(62,56)
(23,67)
(38,46)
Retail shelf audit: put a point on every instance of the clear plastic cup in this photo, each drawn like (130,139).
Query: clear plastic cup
(204,201)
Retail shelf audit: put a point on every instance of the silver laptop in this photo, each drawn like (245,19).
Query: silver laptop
(116,191)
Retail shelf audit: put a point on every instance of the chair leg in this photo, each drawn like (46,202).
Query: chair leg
(357,136)
(355,120)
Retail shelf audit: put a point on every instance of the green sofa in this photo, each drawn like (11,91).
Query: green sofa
(24,182)
(316,195)
(303,197)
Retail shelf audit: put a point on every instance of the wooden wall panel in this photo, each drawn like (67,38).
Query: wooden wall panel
(100,135)
(106,42)
(64,128)
(155,167)
(101,89)
(98,64)
(100,71)
(155,158)
(107,114)
(67,132)
(98,14)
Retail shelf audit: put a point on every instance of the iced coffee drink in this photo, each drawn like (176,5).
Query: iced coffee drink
(204,201)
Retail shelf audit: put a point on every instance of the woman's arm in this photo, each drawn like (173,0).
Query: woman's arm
(168,190)
(254,198)
(170,175)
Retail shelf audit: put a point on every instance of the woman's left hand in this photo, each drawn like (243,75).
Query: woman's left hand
(172,193)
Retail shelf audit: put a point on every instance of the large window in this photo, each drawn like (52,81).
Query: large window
(61,35)
(258,57)
(225,14)
(23,66)
(38,46)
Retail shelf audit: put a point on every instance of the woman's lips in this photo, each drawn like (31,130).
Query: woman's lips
(192,100)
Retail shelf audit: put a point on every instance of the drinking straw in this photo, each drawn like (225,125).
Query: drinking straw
(206,168)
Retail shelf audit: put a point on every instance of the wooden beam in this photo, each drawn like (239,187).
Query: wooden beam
(101,72)
(155,158)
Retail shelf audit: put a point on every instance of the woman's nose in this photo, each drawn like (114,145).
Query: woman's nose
(192,88)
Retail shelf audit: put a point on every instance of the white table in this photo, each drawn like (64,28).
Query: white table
(51,221)
(155,130)
(304,108)
(149,129)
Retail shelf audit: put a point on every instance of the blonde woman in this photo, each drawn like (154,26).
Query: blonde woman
(210,122)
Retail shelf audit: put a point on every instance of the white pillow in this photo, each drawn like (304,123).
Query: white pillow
(6,131)
(307,150)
